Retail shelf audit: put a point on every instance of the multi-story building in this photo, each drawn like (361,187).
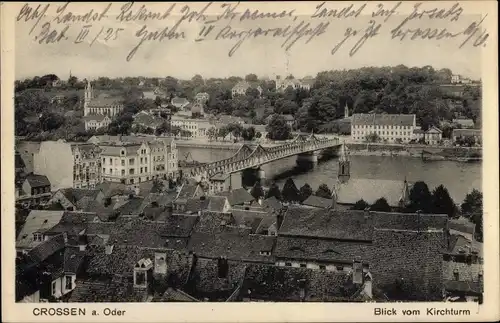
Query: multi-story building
(197,127)
(95,107)
(68,165)
(283,84)
(241,88)
(388,127)
(135,162)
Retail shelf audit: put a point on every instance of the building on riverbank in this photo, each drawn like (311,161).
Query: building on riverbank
(388,127)
(475,134)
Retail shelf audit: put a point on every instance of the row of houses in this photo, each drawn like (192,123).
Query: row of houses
(403,128)
(233,248)
(129,160)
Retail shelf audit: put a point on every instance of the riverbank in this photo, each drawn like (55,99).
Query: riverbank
(363,149)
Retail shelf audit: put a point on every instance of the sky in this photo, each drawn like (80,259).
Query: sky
(183,58)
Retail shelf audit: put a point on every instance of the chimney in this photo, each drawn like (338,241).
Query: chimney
(82,242)
(456,274)
(357,274)
(109,249)
(222,267)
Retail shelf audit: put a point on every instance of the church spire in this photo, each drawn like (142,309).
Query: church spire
(346,110)
(344,165)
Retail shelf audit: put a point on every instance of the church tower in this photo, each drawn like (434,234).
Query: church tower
(344,165)
(346,110)
(88,97)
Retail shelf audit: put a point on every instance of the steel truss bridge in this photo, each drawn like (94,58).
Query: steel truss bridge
(252,157)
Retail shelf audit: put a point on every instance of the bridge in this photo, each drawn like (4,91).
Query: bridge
(249,157)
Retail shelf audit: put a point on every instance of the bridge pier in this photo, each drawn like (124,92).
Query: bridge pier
(307,160)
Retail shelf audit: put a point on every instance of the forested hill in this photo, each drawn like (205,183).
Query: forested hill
(400,89)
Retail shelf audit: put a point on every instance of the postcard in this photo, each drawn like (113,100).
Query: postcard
(265,161)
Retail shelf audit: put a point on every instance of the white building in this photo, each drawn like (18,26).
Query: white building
(283,84)
(197,127)
(68,164)
(136,162)
(388,127)
(241,88)
(94,122)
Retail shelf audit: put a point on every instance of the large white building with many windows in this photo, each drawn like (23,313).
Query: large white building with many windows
(135,162)
(388,127)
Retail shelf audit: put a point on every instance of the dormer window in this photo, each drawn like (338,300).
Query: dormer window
(141,270)
(37,236)
(122,152)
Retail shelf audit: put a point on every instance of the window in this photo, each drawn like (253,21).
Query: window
(37,236)
(288,264)
(123,172)
(303,265)
(340,267)
(322,267)
(145,169)
(131,171)
(145,159)
(110,171)
(141,160)
(131,161)
(123,162)
(111,161)
(69,282)
(141,170)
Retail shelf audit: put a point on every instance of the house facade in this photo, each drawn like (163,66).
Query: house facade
(241,88)
(133,163)
(197,127)
(68,165)
(36,190)
(388,127)
(283,84)
(94,122)
(476,134)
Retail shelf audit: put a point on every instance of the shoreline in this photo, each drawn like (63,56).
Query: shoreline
(435,153)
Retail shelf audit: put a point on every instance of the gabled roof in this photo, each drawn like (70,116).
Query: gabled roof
(45,249)
(370,190)
(287,284)
(37,221)
(272,203)
(238,196)
(318,201)
(331,224)
(36,181)
(93,291)
(216,203)
(74,195)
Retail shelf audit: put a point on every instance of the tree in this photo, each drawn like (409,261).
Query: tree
(164,128)
(372,137)
(381,205)
(248,134)
(305,192)
(420,198)
(51,121)
(360,205)
(257,191)
(290,192)
(274,190)
(277,129)
(472,204)
(442,202)
(324,191)
(251,78)
(212,133)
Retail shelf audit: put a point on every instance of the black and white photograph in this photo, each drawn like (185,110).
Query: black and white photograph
(214,152)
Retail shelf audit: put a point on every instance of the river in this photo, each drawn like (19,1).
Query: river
(458,178)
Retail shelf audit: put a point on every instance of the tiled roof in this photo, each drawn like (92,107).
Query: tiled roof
(272,203)
(187,191)
(234,244)
(466,272)
(111,189)
(74,195)
(466,132)
(131,206)
(122,261)
(412,256)
(273,283)
(73,223)
(37,221)
(73,259)
(467,287)
(318,201)
(174,295)
(45,249)
(216,203)
(206,283)
(212,222)
(459,245)
(370,190)
(462,225)
(322,250)
(148,120)
(93,291)
(238,196)
(179,101)
(196,204)
(264,225)
(36,181)
(333,224)
(464,122)
(409,221)
(249,219)
(383,119)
